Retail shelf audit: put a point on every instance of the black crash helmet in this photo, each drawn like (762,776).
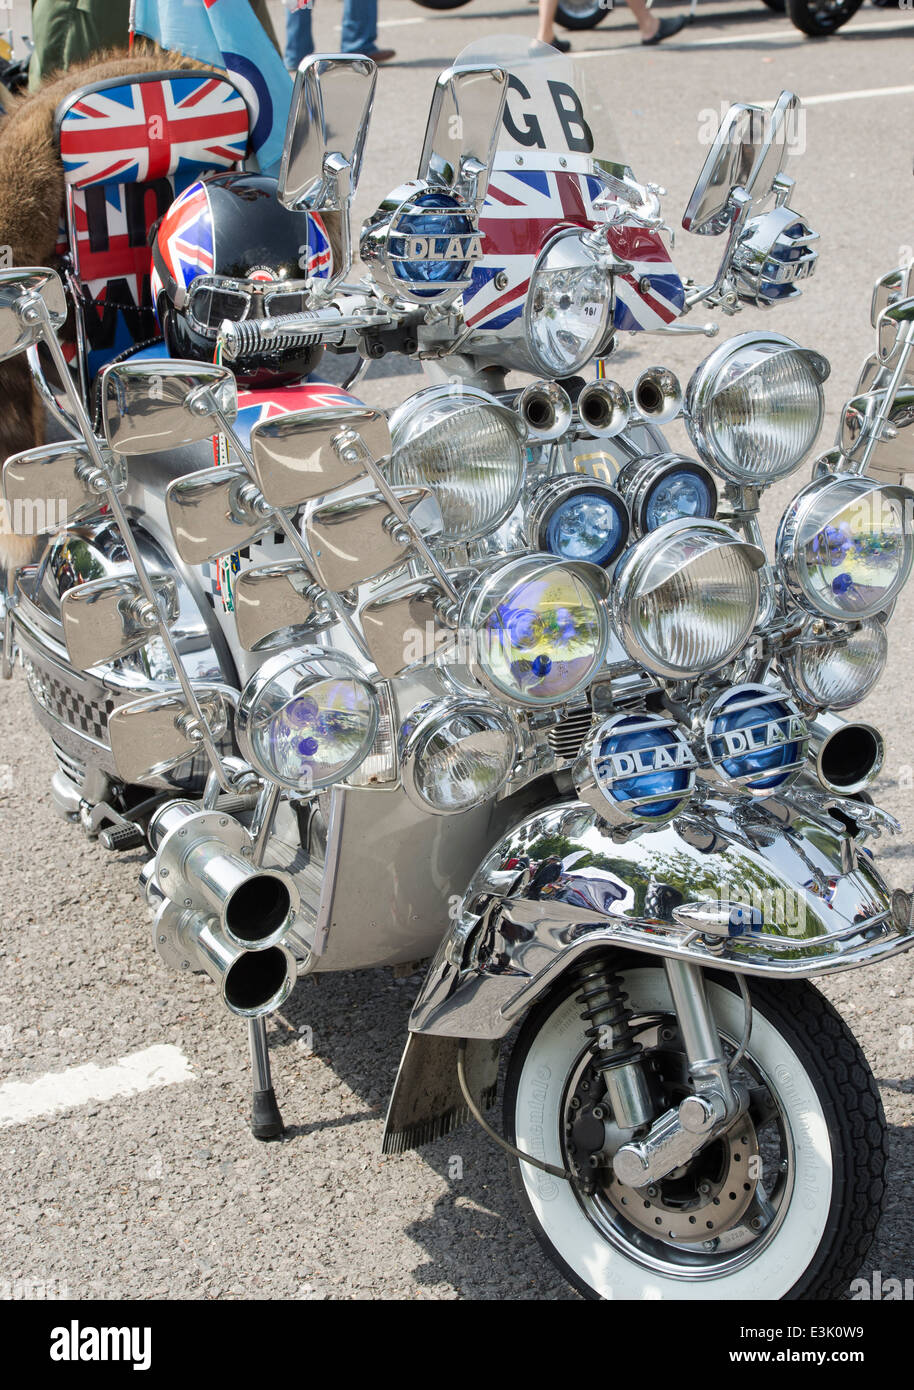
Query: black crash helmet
(228,249)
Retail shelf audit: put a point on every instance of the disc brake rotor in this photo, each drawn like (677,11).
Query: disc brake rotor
(697,1202)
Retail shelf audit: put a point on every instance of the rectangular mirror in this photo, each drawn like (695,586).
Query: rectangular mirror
(210,513)
(401,627)
(781,133)
(325,135)
(893,329)
(354,540)
(49,486)
(104,619)
(462,132)
(728,165)
(162,404)
(893,454)
(151,736)
(19,327)
(303,455)
(277,606)
(889,288)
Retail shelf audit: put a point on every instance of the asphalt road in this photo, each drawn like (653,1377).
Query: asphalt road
(163,1193)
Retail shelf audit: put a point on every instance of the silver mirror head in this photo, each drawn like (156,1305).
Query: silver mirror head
(303,455)
(163,404)
(728,165)
(892,456)
(213,512)
(889,288)
(354,540)
(108,618)
(461,136)
(149,737)
(401,626)
(780,130)
(22,293)
(893,328)
(325,134)
(278,606)
(48,487)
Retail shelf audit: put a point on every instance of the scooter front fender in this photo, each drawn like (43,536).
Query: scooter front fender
(569,889)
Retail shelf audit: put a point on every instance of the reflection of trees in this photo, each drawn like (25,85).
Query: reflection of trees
(738,879)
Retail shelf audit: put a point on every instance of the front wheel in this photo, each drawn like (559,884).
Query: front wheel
(581,14)
(785,1203)
(820,17)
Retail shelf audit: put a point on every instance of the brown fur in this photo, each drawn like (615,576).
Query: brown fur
(31,200)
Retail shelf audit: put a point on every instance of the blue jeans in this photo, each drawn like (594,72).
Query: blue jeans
(360,26)
(299,42)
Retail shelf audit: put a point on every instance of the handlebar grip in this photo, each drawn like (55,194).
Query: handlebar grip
(304,330)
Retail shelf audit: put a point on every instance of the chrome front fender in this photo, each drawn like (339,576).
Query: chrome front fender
(558,886)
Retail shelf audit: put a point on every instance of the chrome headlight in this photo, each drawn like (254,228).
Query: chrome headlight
(686,597)
(578,518)
(538,628)
(755,738)
(568,311)
(754,407)
(837,674)
(666,488)
(456,754)
(845,545)
(307,718)
(467,449)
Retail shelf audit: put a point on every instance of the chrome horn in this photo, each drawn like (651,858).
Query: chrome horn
(605,409)
(545,408)
(658,395)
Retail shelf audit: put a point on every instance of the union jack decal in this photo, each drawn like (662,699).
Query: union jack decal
(134,132)
(523,208)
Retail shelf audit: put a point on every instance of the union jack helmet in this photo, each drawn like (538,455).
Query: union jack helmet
(228,249)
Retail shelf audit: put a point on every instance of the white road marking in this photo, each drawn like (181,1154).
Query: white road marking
(860,95)
(21,1101)
(731,40)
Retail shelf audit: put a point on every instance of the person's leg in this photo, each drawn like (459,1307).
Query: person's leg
(299,40)
(547,20)
(360,26)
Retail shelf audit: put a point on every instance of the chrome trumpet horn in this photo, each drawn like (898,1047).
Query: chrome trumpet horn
(604,408)
(545,408)
(658,395)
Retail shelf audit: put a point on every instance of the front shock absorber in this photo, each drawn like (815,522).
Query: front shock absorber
(617,1054)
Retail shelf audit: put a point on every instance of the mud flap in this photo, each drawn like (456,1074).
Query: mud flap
(427,1102)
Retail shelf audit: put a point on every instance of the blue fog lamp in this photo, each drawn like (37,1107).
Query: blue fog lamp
(578,518)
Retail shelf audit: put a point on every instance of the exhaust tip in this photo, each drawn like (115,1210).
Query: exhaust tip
(258,982)
(257,912)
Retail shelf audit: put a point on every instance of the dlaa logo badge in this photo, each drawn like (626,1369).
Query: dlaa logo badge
(664,757)
(466,247)
(758,738)
(75,1343)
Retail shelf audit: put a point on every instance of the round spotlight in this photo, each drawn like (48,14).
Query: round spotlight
(578,518)
(667,487)
(307,718)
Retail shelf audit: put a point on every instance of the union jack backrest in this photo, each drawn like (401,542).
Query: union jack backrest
(128,148)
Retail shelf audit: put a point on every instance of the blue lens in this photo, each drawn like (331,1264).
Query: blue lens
(678,494)
(587,526)
(754,764)
(430,224)
(642,746)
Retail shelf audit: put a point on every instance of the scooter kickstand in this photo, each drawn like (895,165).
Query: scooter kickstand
(266,1120)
